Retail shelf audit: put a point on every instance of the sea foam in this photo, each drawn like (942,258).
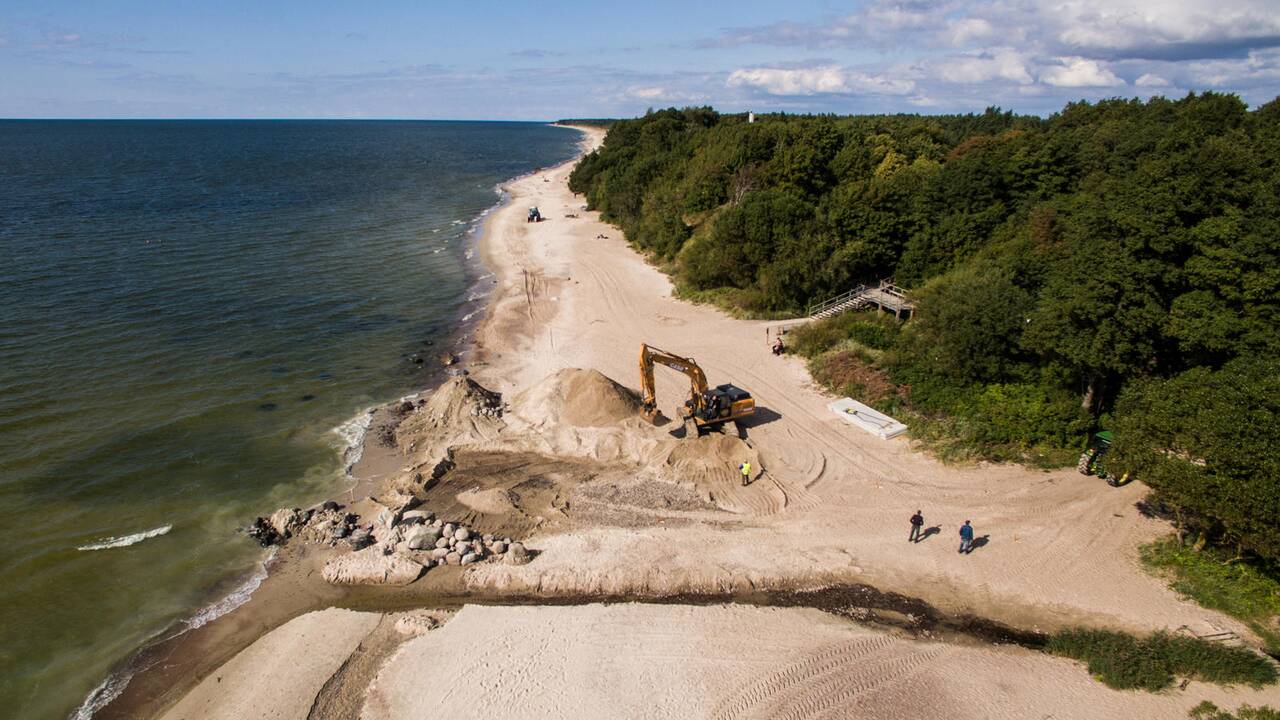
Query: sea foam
(234,600)
(352,433)
(126,540)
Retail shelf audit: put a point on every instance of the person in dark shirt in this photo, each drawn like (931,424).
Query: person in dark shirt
(917,522)
(966,537)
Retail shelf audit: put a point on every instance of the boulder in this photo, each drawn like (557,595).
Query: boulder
(462,533)
(450,529)
(499,547)
(360,538)
(330,506)
(422,538)
(262,531)
(416,516)
(453,558)
(442,542)
(469,558)
(287,521)
(439,553)
(371,567)
(517,554)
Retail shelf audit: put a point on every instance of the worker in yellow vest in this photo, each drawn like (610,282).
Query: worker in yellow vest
(745,469)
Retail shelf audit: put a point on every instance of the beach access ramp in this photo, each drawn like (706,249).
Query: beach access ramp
(866,418)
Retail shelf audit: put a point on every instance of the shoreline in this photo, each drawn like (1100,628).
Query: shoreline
(542,316)
(356,477)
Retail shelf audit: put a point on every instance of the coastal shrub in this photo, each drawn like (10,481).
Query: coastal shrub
(1208,711)
(847,372)
(864,329)
(1247,591)
(1125,662)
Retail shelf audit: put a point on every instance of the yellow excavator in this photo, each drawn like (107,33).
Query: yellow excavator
(707,408)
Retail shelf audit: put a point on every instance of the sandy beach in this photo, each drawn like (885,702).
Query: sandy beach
(611,508)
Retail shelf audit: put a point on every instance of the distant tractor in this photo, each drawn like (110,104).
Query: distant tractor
(1093,461)
(534,215)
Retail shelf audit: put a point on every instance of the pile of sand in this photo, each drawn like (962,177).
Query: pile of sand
(459,411)
(709,465)
(582,398)
(493,501)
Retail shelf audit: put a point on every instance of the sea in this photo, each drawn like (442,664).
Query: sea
(194,319)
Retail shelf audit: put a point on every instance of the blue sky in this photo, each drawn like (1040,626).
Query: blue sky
(552,59)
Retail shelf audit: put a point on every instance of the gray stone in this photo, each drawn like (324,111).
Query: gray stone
(288,521)
(499,548)
(422,538)
(449,528)
(414,517)
(462,547)
(488,538)
(469,558)
(517,555)
(453,558)
(439,553)
(442,542)
(462,533)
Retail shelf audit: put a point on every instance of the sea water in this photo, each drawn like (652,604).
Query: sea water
(193,318)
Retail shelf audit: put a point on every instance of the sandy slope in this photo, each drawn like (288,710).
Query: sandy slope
(280,675)
(726,663)
(1061,547)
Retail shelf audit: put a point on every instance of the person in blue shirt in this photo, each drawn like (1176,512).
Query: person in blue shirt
(966,537)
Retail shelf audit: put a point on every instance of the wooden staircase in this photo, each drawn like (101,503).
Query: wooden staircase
(885,296)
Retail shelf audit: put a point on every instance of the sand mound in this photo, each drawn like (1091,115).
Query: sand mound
(494,501)
(459,411)
(583,398)
(709,464)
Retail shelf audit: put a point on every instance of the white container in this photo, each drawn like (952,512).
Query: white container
(873,421)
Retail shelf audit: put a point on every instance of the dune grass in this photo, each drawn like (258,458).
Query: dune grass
(1208,711)
(1126,662)
(1243,591)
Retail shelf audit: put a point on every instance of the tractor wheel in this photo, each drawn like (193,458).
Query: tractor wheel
(1085,461)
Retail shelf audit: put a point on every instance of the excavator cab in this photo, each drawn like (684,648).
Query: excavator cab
(724,402)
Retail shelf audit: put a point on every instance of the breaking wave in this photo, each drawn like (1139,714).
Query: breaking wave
(126,540)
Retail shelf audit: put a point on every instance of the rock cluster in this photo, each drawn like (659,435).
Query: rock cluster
(435,541)
(401,544)
(327,524)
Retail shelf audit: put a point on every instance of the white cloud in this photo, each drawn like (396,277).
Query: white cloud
(1151,80)
(1156,29)
(1001,64)
(647,93)
(823,80)
(964,32)
(1076,72)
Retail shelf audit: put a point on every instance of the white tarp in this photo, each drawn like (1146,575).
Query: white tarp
(873,421)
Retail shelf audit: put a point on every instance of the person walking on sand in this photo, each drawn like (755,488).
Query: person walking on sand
(917,522)
(966,537)
(745,469)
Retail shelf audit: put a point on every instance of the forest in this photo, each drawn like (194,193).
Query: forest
(1112,266)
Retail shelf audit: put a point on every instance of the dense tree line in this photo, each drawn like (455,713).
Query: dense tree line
(1115,264)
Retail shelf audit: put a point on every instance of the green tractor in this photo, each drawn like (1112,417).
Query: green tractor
(1093,461)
